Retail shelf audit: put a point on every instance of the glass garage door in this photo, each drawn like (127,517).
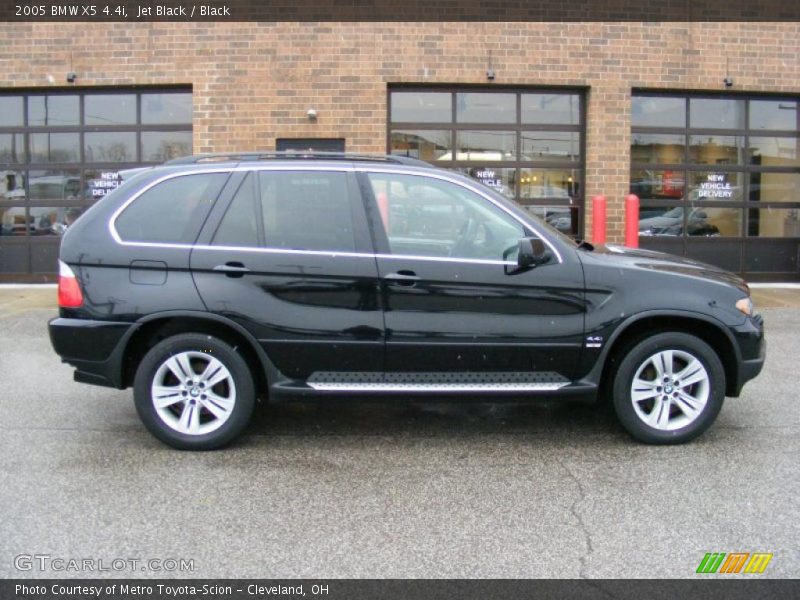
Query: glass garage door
(527,144)
(719,180)
(60,151)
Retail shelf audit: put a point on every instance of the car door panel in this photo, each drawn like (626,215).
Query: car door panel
(311,310)
(465,314)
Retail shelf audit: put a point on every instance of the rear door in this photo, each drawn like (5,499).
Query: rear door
(287,254)
(454,302)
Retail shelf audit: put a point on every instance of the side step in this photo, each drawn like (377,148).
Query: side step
(433,382)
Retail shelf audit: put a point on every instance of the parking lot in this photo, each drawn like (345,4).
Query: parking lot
(336,489)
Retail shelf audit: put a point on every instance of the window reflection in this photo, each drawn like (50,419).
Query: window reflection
(53,110)
(549,183)
(693,221)
(563,218)
(37,220)
(47,186)
(716,150)
(658,184)
(773,222)
(161,146)
(775,151)
(775,114)
(110,109)
(486,145)
(13,221)
(167,108)
(426,145)
(547,146)
(12,184)
(482,107)
(12,148)
(655,111)
(422,107)
(55,147)
(775,187)
(110,146)
(11,114)
(716,113)
(551,109)
(663,148)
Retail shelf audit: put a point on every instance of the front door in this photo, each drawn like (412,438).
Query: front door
(286,253)
(453,300)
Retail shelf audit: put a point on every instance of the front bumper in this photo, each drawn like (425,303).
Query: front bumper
(95,348)
(752,350)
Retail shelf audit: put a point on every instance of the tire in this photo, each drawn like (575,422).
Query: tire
(207,413)
(657,364)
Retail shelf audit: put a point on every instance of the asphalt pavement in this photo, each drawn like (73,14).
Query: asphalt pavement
(390,489)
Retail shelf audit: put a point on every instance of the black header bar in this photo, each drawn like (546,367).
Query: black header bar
(407,10)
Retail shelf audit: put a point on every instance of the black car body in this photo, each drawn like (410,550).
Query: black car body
(358,275)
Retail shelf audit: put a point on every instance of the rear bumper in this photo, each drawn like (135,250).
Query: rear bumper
(95,348)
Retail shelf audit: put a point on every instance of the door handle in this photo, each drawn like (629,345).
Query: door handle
(232,269)
(405,278)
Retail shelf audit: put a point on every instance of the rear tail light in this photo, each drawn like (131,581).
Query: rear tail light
(69,290)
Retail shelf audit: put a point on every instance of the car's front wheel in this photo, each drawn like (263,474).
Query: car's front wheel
(669,388)
(194,392)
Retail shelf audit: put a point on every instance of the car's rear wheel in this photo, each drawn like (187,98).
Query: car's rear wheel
(194,392)
(669,388)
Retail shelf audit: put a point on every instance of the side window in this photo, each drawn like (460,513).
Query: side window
(172,211)
(423,216)
(238,226)
(307,210)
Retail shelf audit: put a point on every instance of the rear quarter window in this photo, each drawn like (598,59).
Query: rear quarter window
(172,211)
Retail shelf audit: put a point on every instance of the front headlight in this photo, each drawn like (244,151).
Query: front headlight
(746,306)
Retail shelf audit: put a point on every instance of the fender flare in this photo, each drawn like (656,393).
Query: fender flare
(594,375)
(271,371)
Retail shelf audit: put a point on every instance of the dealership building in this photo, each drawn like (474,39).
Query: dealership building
(701,120)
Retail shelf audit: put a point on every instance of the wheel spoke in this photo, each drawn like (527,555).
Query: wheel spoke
(666,359)
(214,373)
(655,414)
(190,418)
(657,365)
(164,396)
(689,406)
(217,405)
(693,373)
(643,390)
(181,367)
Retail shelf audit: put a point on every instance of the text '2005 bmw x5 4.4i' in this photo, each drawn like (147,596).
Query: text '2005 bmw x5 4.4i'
(211,281)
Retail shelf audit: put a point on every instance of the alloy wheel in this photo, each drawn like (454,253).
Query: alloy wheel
(670,390)
(193,393)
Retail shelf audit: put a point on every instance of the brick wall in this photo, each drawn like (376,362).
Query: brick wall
(253,82)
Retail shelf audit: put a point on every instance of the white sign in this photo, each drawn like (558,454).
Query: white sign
(716,186)
(108,182)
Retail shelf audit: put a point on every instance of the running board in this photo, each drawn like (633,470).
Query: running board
(433,382)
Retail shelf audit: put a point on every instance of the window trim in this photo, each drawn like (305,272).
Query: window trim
(116,237)
(112,224)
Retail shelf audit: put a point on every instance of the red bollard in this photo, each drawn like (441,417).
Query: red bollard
(599,219)
(632,221)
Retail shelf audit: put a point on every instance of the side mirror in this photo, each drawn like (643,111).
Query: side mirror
(532,252)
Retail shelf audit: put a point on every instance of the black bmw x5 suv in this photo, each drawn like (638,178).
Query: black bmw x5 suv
(211,281)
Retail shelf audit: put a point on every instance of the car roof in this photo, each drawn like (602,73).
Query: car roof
(240,158)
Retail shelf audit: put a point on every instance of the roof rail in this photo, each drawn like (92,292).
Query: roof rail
(292,154)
